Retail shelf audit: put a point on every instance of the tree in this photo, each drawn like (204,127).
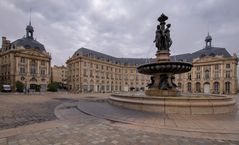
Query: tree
(19,86)
(52,87)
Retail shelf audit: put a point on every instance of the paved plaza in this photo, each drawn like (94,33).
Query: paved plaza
(87,119)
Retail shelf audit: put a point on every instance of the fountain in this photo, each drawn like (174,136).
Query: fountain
(162,95)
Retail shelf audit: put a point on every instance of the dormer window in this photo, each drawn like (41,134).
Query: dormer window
(27,46)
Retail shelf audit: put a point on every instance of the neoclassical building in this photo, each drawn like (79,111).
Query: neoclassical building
(24,60)
(59,75)
(214,71)
(91,71)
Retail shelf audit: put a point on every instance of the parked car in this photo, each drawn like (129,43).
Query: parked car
(6,88)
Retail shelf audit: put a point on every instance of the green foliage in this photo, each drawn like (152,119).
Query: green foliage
(53,87)
(19,86)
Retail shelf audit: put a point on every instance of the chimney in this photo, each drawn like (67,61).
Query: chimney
(8,43)
(4,39)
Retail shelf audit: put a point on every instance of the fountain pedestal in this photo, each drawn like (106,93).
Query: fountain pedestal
(163,55)
(161,81)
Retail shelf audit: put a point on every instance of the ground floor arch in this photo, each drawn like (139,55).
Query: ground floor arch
(206,88)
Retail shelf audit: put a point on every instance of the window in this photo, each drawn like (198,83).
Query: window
(228,66)
(189,87)
(84,73)
(216,87)
(131,77)
(125,77)
(198,87)
(33,65)
(22,78)
(43,71)
(43,62)
(189,76)
(91,73)
(198,76)
(137,77)
(227,87)
(217,74)
(22,70)
(198,68)
(107,75)
(23,60)
(228,74)
(97,74)
(207,76)
(217,67)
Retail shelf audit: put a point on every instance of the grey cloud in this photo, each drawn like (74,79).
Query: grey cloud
(121,28)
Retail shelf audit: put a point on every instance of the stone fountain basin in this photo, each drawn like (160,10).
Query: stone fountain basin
(185,104)
(165,67)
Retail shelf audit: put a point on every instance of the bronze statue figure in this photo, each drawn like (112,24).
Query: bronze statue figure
(162,37)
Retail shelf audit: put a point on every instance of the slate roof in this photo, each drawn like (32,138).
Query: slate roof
(102,56)
(187,57)
(208,51)
(28,43)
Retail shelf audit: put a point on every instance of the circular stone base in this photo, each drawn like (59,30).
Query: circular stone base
(158,92)
(176,105)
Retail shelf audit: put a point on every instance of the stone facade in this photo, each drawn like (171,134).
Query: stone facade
(210,75)
(58,74)
(24,60)
(96,72)
(214,71)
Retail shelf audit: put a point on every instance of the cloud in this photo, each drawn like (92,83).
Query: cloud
(121,28)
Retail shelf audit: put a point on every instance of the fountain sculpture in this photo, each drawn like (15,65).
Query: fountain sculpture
(163,70)
(162,95)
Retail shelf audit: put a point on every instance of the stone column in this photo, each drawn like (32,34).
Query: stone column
(222,79)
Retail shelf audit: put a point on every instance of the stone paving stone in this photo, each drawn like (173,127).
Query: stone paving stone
(19,110)
(81,129)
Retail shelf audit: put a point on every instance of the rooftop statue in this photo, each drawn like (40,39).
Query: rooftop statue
(162,38)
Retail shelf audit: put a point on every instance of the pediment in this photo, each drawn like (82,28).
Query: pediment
(33,53)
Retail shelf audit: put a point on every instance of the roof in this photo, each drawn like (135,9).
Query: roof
(208,51)
(28,43)
(187,57)
(91,53)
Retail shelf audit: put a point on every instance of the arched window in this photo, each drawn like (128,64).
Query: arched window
(198,87)
(206,88)
(189,87)
(207,75)
(227,87)
(216,87)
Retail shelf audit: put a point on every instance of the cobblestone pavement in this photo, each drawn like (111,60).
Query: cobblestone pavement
(224,123)
(77,128)
(18,110)
(82,129)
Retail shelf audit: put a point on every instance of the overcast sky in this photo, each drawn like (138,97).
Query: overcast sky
(121,28)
